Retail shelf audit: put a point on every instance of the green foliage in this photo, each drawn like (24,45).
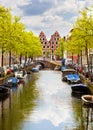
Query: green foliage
(14,38)
(61,48)
(82,33)
(81,38)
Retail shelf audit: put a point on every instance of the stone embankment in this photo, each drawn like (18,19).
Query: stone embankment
(3,79)
(87,82)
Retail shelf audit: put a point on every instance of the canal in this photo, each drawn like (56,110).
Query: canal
(44,102)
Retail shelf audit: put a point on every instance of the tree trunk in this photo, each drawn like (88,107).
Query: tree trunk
(9,58)
(20,59)
(81,57)
(2,60)
(72,58)
(25,57)
(78,59)
(86,49)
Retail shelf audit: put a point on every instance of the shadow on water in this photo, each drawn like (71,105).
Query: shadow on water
(15,108)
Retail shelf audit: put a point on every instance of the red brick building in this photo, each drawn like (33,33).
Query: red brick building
(50,46)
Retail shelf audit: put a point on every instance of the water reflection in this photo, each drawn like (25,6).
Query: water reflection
(22,103)
(51,100)
(44,102)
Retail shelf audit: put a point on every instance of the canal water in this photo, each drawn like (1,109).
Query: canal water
(44,102)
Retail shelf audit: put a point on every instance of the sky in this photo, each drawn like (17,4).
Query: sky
(47,15)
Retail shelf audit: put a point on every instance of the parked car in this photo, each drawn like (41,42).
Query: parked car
(2,72)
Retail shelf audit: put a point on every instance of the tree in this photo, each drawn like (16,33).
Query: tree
(82,33)
(61,48)
(5,21)
(15,37)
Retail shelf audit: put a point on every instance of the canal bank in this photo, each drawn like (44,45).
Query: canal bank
(87,82)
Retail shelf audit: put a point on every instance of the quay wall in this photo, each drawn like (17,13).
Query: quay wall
(87,82)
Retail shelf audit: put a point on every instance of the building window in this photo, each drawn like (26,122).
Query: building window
(43,46)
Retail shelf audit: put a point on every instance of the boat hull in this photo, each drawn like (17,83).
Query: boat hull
(87,100)
(4,92)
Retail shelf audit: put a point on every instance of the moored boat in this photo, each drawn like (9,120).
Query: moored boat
(80,89)
(22,74)
(87,99)
(12,81)
(35,69)
(73,78)
(4,92)
(66,72)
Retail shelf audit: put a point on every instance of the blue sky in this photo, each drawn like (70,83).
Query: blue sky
(47,15)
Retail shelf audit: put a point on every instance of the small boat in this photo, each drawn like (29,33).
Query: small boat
(80,89)
(65,73)
(35,69)
(87,100)
(4,92)
(73,78)
(22,74)
(12,81)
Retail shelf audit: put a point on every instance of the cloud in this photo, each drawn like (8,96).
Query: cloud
(36,8)
(47,15)
(14,5)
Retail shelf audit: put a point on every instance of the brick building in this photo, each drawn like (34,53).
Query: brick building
(50,46)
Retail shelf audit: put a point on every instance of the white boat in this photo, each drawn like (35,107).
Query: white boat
(22,74)
(87,99)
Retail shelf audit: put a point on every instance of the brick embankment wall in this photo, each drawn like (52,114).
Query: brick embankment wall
(90,85)
(3,79)
(87,82)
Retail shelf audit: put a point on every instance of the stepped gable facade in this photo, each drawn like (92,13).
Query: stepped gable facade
(44,42)
(54,42)
(50,46)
